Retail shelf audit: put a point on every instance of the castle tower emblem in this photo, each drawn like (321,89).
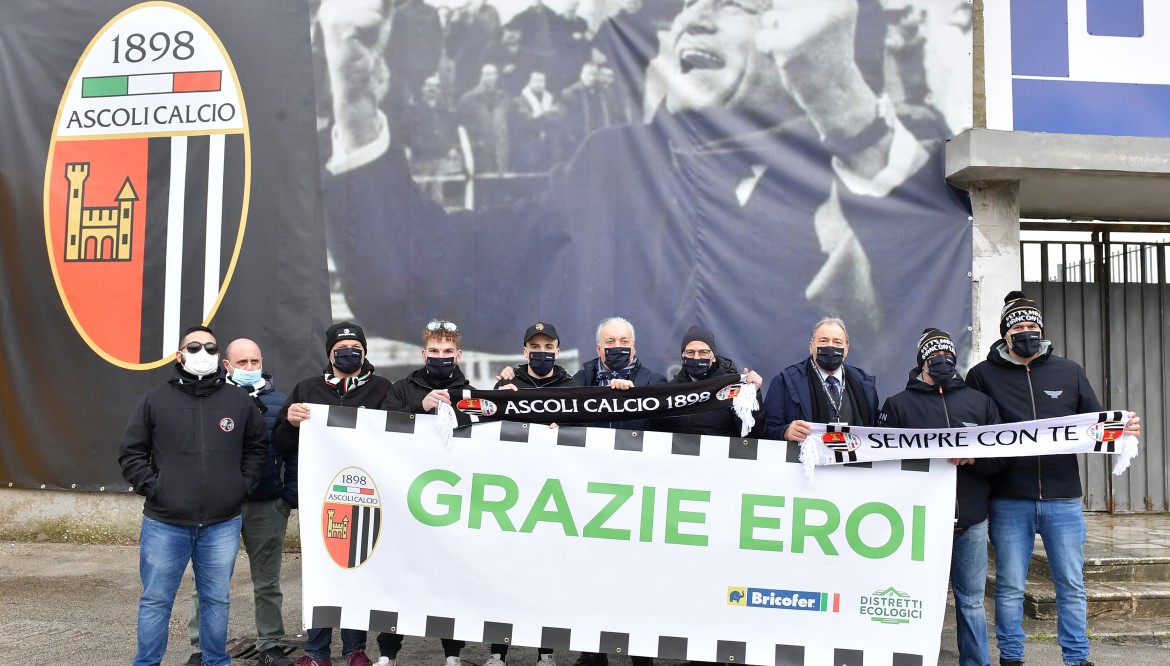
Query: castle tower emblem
(97,233)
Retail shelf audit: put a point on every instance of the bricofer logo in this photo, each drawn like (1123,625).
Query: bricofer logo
(891,606)
(351,518)
(147,182)
(797,600)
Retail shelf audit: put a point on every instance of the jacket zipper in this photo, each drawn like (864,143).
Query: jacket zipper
(1032,395)
(202,461)
(947,424)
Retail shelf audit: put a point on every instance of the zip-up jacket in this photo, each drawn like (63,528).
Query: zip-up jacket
(286,437)
(193,449)
(587,376)
(279,476)
(950,405)
(722,422)
(406,394)
(560,378)
(789,398)
(1047,387)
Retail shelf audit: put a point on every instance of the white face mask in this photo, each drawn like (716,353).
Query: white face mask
(200,363)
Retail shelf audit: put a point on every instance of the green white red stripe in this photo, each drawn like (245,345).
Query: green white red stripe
(353,489)
(151,84)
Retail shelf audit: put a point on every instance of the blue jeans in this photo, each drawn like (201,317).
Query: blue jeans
(968,581)
(318,640)
(1061,525)
(164,553)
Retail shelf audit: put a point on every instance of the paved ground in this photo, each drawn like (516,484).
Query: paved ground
(66,604)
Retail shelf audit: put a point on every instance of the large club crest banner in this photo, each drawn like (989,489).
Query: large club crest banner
(158,169)
(700,548)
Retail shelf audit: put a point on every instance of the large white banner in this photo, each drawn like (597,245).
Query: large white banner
(639,543)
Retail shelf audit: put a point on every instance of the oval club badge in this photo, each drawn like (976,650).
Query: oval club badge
(351,518)
(146,184)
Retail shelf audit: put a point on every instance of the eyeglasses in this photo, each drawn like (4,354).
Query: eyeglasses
(194,347)
(702,353)
(448,326)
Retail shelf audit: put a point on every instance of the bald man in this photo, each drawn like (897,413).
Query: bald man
(266,510)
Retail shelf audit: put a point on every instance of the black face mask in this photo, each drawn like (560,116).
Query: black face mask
(617,358)
(830,358)
(696,367)
(940,368)
(541,363)
(442,367)
(347,361)
(1026,344)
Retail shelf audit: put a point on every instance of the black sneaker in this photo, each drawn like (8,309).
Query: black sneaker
(1011,662)
(274,656)
(1085,663)
(196,659)
(592,659)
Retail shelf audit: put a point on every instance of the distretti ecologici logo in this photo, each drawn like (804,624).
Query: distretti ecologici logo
(799,600)
(891,606)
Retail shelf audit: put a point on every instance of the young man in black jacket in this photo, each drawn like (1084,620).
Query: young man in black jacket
(348,381)
(421,391)
(1037,494)
(542,348)
(936,397)
(194,448)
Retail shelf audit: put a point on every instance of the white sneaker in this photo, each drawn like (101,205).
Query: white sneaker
(495,660)
(385,661)
(546,660)
(454,661)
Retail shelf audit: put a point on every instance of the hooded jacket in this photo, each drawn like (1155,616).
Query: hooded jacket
(559,378)
(194,449)
(406,394)
(286,437)
(1049,386)
(790,399)
(951,404)
(721,422)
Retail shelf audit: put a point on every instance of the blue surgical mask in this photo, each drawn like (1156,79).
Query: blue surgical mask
(1026,344)
(246,377)
(347,360)
(441,366)
(541,363)
(940,368)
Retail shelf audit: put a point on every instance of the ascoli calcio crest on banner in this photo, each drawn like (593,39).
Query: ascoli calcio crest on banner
(146,183)
(351,518)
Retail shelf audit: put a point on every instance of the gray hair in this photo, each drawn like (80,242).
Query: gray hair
(829,320)
(615,320)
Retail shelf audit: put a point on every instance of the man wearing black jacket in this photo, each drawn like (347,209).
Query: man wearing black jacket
(542,348)
(936,397)
(699,362)
(348,381)
(1037,494)
(194,449)
(421,391)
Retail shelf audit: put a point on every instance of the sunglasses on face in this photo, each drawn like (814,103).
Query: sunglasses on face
(194,347)
(448,326)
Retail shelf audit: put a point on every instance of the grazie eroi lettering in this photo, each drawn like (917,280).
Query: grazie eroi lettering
(623,512)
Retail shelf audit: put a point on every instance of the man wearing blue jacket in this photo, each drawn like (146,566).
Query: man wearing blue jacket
(617,365)
(194,447)
(821,388)
(266,512)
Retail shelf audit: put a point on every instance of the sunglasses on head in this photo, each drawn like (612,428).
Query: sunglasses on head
(194,347)
(448,326)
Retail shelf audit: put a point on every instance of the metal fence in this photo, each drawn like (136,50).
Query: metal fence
(1105,306)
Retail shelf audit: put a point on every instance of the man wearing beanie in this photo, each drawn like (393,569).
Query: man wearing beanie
(1037,494)
(821,388)
(348,380)
(700,361)
(936,397)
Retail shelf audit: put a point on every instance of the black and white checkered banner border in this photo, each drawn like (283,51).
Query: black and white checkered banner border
(378,428)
